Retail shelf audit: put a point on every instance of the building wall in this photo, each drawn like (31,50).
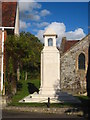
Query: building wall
(73,80)
(16,30)
(0,56)
(5,35)
(0,14)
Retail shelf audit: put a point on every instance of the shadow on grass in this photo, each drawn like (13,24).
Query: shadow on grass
(83,106)
(32,88)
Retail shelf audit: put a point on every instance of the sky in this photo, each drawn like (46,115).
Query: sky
(67,19)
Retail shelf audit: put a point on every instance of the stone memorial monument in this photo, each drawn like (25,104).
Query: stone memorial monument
(50,74)
(50,64)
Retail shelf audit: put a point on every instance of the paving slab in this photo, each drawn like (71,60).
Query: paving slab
(61,97)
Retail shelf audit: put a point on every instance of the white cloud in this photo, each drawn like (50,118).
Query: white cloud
(28,6)
(34,17)
(77,34)
(40,35)
(44,12)
(24,25)
(60,30)
(39,25)
(28,10)
(29,16)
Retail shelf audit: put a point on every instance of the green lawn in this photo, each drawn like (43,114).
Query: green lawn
(84,100)
(24,90)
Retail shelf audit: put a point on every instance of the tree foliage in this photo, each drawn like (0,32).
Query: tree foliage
(24,52)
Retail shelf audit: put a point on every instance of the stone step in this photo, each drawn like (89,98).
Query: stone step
(40,98)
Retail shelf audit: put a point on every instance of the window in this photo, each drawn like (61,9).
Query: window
(50,42)
(81,61)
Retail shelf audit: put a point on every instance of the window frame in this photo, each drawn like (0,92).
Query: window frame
(80,63)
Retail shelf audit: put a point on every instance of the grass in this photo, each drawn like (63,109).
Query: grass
(84,100)
(85,104)
(24,91)
(82,97)
(52,105)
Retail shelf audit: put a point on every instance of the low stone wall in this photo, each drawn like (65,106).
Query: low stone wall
(62,110)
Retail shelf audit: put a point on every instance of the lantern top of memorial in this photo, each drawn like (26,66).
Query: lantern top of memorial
(49,32)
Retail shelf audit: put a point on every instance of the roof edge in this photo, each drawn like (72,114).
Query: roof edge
(75,45)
